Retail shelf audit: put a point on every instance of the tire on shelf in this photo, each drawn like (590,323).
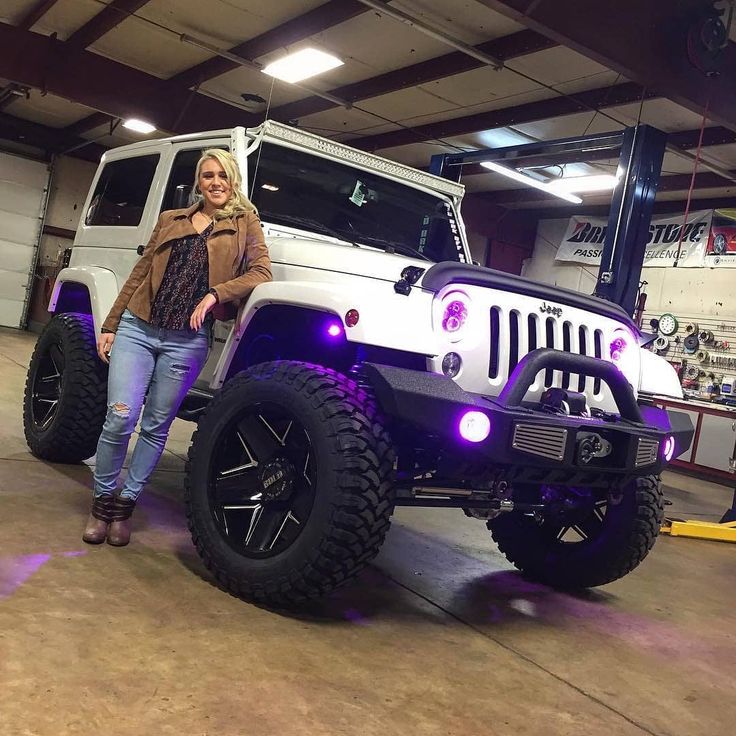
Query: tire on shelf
(619,538)
(288,485)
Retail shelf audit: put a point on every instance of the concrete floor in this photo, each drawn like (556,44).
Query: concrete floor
(439,636)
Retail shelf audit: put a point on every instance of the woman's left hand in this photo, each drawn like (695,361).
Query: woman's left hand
(201,310)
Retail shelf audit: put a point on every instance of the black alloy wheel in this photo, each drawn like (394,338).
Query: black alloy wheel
(65,398)
(46,386)
(262,480)
(584,537)
(289,486)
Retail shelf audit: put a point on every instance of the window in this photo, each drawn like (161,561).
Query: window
(178,192)
(297,189)
(121,192)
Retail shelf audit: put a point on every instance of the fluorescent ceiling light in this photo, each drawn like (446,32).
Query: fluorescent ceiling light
(592,183)
(529,181)
(139,126)
(302,65)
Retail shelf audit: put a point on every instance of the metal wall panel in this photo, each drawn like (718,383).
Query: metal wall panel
(23,184)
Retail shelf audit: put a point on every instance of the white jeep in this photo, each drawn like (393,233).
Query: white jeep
(379,368)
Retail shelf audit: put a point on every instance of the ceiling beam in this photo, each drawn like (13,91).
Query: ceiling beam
(594,99)
(646,41)
(95,120)
(46,138)
(112,15)
(51,65)
(512,46)
(315,21)
(36,13)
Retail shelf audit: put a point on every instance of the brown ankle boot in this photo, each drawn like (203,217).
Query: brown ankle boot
(118,535)
(100,517)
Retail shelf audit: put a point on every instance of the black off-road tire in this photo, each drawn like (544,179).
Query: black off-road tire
(627,534)
(71,434)
(353,497)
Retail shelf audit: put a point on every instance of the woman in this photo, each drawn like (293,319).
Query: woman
(156,336)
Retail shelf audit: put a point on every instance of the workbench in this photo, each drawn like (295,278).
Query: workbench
(713,443)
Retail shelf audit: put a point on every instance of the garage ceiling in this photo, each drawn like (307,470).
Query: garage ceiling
(71,68)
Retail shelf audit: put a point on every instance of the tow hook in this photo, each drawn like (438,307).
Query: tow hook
(591,445)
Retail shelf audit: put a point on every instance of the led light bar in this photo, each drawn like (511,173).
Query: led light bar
(530,182)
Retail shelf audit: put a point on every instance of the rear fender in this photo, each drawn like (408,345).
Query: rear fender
(101,289)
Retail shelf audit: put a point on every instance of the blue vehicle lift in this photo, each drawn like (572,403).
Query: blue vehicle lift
(641,151)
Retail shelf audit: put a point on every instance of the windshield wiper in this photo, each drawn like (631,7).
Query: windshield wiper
(391,246)
(307,222)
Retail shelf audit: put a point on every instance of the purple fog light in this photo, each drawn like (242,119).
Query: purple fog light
(334,329)
(474,426)
(669,448)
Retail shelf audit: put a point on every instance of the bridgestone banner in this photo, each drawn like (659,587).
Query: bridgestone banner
(584,237)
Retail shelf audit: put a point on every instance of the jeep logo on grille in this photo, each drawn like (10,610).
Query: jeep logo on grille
(549,309)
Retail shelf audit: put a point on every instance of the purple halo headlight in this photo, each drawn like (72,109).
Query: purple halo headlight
(455,312)
(334,329)
(474,426)
(623,352)
(668,449)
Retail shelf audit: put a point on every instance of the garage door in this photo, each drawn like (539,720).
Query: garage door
(22,196)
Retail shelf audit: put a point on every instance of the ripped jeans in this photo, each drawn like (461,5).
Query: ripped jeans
(154,364)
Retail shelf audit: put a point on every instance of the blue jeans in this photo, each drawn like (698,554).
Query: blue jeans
(154,364)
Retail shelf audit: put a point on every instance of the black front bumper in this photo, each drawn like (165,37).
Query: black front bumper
(527,437)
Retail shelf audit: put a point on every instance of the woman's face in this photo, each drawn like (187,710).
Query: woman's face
(214,184)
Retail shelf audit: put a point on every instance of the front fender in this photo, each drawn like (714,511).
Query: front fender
(100,283)
(658,377)
(387,319)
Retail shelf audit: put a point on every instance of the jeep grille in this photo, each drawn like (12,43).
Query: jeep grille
(524,332)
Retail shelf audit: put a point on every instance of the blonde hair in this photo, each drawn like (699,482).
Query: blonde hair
(238,202)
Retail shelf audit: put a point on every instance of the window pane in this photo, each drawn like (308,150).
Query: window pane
(122,191)
(298,189)
(178,192)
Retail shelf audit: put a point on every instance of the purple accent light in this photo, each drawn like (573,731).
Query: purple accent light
(474,426)
(334,330)
(669,448)
(623,351)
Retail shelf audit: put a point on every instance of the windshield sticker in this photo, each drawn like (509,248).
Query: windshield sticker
(455,233)
(359,194)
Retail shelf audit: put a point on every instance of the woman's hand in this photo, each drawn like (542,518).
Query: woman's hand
(201,310)
(104,345)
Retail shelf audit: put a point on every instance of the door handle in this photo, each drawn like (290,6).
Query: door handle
(139,250)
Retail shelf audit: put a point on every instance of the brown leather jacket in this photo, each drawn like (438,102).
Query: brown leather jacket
(231,241)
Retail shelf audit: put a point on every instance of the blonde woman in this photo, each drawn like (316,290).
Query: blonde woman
(156,336)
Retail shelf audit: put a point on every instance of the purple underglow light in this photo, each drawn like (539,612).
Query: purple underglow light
(669,448)
(334,330)
(474,426)
(15,570)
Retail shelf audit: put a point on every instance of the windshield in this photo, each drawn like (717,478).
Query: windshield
(296,188)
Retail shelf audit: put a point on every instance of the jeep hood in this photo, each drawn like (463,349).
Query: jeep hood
(443,274)
(364,260)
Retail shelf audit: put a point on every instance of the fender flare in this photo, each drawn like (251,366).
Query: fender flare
(101,285)
(373,328)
